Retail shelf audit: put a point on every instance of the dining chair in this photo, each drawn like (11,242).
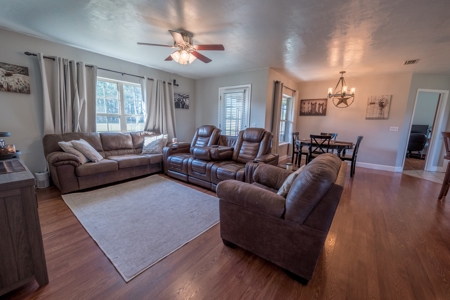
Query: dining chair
(319,144)
(333,135)
(353,156)
(446,182)
(297,151)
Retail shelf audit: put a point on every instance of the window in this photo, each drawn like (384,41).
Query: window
(120,106)
(234,109)
(286,119)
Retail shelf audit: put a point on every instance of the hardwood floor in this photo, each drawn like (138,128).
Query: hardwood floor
(412,163)
(390,239)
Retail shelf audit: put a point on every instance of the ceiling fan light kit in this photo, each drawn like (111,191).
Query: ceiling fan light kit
(342,98)
(187,52)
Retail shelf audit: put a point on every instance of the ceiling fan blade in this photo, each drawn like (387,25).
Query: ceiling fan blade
(177,37)
(159,45)
(169,58)
(201,57)
(210,47)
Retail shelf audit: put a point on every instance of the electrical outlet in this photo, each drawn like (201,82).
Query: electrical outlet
(393,128)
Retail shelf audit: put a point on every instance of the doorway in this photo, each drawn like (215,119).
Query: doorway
(424,147)
(423,122)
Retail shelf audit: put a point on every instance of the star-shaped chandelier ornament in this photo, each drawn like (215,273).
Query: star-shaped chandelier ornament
(341,97)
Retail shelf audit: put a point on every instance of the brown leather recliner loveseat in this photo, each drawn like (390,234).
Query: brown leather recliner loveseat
(209,165)
(289,232)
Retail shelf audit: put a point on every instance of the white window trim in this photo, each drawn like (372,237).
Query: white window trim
(248,101)
(122,116)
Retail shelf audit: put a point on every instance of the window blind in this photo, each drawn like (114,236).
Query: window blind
(234,112)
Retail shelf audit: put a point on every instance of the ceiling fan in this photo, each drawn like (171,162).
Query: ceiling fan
(187,52)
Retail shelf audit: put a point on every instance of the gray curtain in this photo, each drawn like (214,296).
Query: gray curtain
(160,107)
(276,114)
(68,95)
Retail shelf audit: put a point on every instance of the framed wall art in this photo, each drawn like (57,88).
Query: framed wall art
(181,101)
(378,107)
(14,79)
(313,107)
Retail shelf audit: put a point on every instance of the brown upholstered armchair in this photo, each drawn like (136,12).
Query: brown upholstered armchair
(252,145)
(176,158)
(289,232)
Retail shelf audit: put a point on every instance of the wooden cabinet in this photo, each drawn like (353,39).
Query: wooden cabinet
(22,256)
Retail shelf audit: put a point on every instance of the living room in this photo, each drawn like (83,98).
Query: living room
(378,178)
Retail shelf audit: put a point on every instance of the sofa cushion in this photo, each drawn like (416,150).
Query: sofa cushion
(117,143)
(154,158)
(230,170)
(310,186)
(90,168)
(138,139)
(87,150)
(130,160)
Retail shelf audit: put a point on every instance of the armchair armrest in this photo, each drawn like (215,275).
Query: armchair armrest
(251,197)
(271,159)
(63,158)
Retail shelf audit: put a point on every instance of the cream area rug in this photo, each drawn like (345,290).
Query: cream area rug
(138,223)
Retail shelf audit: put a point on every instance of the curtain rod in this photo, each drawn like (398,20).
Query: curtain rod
(91,66)
(286,86)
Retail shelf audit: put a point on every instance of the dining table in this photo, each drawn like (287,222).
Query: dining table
(339,146)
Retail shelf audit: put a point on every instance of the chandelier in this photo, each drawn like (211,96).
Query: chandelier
(183,57)
(341,97)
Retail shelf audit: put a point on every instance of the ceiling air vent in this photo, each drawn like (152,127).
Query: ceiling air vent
(411,62)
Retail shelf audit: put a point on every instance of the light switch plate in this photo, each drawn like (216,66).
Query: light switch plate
(393,128)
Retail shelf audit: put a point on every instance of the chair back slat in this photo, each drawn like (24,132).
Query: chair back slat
(333,135)
(319,144)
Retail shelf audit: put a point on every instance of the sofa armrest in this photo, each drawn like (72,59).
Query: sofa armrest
(270,176)
(181,147)
(251,197)
(271,159)
(63,158)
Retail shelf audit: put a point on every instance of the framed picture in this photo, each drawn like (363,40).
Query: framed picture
(181,101)
(14,79)
(378,107)
(313,107)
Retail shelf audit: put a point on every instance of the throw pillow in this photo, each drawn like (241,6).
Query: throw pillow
(154,144)
(68,147)
(284,189)
(85,148)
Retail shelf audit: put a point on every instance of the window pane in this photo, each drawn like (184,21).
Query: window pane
(100,107)
(133,102)
(102,124)
(135,123)
(113,123)
(282,131)
(112,106)
(111,90)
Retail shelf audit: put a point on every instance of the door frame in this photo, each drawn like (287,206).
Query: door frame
(441,120)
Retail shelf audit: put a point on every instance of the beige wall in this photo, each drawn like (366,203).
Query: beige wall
(379,146)
(21,114)
(207,96)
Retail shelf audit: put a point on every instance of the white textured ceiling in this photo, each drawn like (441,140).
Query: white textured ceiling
(303,39)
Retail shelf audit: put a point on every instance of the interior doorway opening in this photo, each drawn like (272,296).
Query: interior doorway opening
(423,122)
(430,117)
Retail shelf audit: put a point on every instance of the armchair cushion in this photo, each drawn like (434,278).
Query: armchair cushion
(252,197)
(270,176)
